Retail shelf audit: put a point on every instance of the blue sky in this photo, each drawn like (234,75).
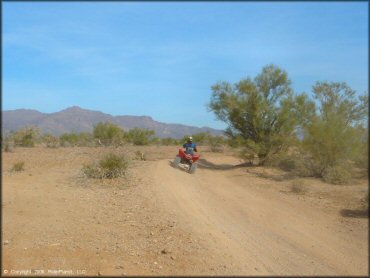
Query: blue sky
(160,59)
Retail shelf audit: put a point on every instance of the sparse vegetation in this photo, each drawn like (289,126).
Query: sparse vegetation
(7,143)
(110,167)
(50,141)
(108,134)
(337,174)
(139,155)
(265,119)
(18,166)
(27,137)
(82,139)
(168,141)
(216,143)
(298,187)
(139,136)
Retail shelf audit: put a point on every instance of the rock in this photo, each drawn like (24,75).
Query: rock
(6,242)
(151,233)
(119,267)
(155,263)
(164,251)
(172,258)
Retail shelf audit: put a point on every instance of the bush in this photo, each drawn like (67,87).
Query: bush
(139,136)
(336,134)
(18,167)
(50,141)
(7,144)
(262,112)
(139,155)
(108,134)
(216,143)
(297,164)
(110,167)
(337,175)
(298,187)
(168,141)
(27,137)
(82,139)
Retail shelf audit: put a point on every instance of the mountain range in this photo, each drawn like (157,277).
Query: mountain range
(77,119)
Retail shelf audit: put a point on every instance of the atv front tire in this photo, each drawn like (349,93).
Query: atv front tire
(193,168)
(176,162)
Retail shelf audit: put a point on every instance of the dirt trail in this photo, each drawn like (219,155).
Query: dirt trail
(259,233)
(162,221)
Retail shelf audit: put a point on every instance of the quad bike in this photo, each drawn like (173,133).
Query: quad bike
(186,161)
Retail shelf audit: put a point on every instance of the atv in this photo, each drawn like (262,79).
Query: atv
(186,161)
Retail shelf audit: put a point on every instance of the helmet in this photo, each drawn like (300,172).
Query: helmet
(190,139)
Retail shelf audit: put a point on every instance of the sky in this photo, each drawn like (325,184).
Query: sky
(160,59)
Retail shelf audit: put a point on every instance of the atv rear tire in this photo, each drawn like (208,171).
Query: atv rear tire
(176,162)
(193,168)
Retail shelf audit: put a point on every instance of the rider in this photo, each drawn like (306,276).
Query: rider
(189,146)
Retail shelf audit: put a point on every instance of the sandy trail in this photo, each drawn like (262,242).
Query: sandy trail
(167,222)
(258,234)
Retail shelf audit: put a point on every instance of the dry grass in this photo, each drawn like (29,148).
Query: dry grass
(298,187)
(18,166)
(110,167)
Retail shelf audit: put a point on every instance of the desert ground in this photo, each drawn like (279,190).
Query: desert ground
(159,220)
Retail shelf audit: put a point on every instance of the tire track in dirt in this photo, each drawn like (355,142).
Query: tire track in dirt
(258,234)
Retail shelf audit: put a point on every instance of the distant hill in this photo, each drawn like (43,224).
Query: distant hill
(76,119)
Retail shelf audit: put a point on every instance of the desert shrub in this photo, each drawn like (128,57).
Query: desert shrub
(298,187)
(332,136)
(298,164)
(155,141)
(82,139)
(109,167)
(168,141)
(108,134)
(139,136)
(361,154)
(201,138)
(27,137)
(7,143)
(139,155)
(337,174)
(216,143)
(68,139)
(262,112)
(50,141)
(18,166)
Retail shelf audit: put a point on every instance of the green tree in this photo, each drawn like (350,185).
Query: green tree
(50,140)
(108,134)
(27,136)
(68,139)
(139,136)
(261,113)
(169,141)
(216,143)
(335,135)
